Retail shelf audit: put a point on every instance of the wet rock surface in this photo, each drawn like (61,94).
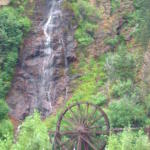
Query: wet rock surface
(41,77)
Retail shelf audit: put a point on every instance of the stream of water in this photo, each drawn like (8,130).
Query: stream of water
(47,88)
(41,76)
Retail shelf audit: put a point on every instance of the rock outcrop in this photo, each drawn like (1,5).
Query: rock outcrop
(4,2)
(27,91)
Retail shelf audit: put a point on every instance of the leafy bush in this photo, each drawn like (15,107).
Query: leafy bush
(6,129)
(6,143)
(115,4)
(99,99)
(121,65)
(12,28)
(124,113)
(121,88)
(86,15)
(33,135)
(18,2)
(7,72)
(112,41)
(143,20)
(89,82)
(128,140)
(3,109)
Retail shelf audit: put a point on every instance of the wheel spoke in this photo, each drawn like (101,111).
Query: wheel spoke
(98,142)
(87,109)
(94,127)
(79,145)
(58,145)
(80,112)
(96,119)
(92,113)
(68,133)
(66,128)
(68,141)
(74,116)
(98,133)
(70,122)
(88,142)
(71,144)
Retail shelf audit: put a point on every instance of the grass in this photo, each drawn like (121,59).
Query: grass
(87,89)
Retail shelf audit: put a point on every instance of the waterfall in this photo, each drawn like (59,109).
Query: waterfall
(47,88)
(41,76)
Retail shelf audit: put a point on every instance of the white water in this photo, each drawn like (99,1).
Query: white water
(47,88)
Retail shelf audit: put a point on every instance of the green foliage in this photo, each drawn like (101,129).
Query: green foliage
(86,15)
(12,28)
(99,99)
(121,65)
(83,37)
(3,110)
(7,71)
(114,42)
(90,81)
(115,4)
(124,113)
(121,88)
(18,2)
(33,135)
(128,140)
(6,129)
(143,13)
(6,134)
(6,143)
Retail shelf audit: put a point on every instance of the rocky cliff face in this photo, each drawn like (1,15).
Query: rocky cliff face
(41,74)
(4,2)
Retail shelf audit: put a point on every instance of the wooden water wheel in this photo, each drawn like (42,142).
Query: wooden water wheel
(82,126)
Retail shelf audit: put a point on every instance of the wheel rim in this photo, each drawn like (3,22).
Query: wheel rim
(82,126)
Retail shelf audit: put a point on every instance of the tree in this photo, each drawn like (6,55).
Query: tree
(142,7)
(123,113)
(128,140)
(121,65)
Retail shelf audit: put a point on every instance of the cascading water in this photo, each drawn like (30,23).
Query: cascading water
(41,76)
(47,88)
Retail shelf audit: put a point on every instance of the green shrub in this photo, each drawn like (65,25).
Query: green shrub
(6,143)
(12,28)
(99,99)
(18,2)
(7,72)
(121,65)
(124,113)
(121,88)
(3,109)
(112,41)
(82,37)
(88,83)
(115,4)
(33,135)
(128,140)
(143,20)
(6,129)
(86,16)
